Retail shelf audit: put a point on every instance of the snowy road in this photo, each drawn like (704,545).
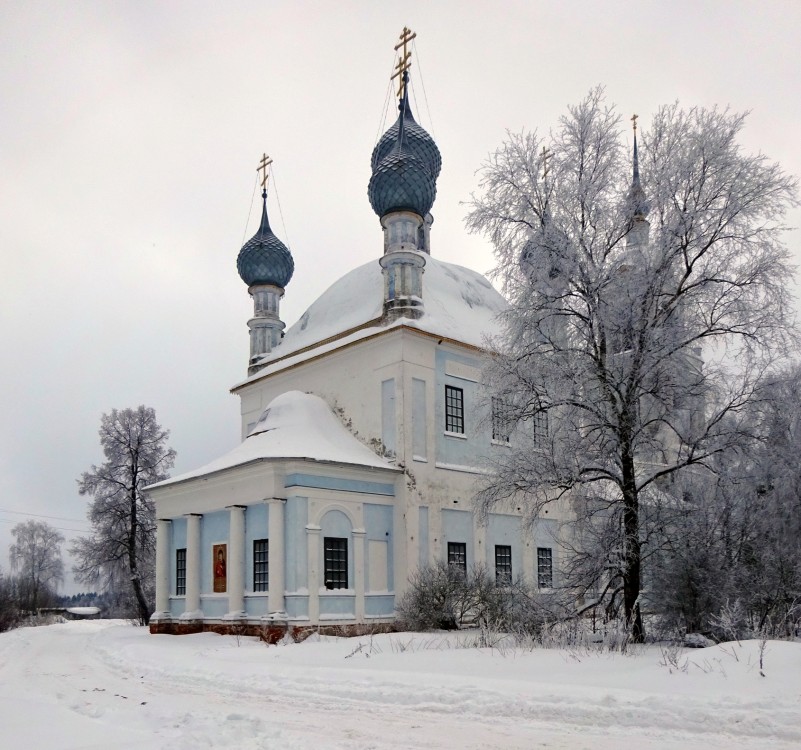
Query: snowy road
(101,685)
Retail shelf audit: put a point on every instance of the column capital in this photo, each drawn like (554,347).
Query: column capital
(274,500)
(236,507)
(359,532)
(313,528)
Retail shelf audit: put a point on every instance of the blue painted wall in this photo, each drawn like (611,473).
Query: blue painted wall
(470,450)
(214,606)
(256,606)
(178,541)
(296,516)
(337,604)
(256,527)
(379,605)
(388,418)
(503,529)
(335,523)
(419,419)
(457,526)
(297,605)
(378,527)
(422,531)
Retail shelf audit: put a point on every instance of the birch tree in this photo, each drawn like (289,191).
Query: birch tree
(648,301)
(121,548)
(35,556)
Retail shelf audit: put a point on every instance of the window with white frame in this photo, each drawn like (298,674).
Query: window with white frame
(261,568)
(544,567)
(454,409)
(503,564)
(180,572)
(457,556)
(335,562)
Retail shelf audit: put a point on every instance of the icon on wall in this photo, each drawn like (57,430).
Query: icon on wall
(220,556)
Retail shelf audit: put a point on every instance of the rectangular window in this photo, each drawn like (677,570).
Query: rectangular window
(457,556)
(540,426)
(336,562)
(454,409)
(544,567)
(260,565)
(180,572)
(503,564)
(501,420)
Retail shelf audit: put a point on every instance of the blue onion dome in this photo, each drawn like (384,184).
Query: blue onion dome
(264,259)
(402,182)
(416,139)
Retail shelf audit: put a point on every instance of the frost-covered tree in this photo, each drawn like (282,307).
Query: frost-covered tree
(121,550)
(734,543)
(645,313)
(35,556)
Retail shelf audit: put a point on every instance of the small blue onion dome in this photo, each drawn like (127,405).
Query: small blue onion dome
(264,259)
(402,182)
(416,139)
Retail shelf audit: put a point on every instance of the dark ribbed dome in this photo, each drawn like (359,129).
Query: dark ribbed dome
(264,259)
(416,139)
(405,164)
(402,182)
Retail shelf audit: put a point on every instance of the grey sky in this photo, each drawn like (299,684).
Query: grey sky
(129,138)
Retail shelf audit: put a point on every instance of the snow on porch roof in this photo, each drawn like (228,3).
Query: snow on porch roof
(294,425)
(458,304)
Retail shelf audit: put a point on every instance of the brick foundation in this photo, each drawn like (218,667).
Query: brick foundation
(270,633)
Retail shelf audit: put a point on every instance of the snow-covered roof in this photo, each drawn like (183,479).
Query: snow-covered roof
(294,425)
(458,304)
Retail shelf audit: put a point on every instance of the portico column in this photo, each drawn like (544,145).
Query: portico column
(313,558)
(359,537)
(162,569)
(275,555)
(192,602)
(236,562)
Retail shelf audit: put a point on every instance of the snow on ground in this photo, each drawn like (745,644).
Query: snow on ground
(105,684)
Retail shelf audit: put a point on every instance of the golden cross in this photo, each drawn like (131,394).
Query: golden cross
(634,120)
(263,164)
(404,60)
(405,37)
(546,154)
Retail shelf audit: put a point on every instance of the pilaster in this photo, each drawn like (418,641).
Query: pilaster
(236,562)
(359,541)
(313,558)
(275,554)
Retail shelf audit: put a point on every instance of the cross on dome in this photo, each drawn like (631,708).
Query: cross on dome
(404,61)
(265,175)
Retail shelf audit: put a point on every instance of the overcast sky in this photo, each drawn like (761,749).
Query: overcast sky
(129,138)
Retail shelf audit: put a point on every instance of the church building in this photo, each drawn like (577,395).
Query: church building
(363,434)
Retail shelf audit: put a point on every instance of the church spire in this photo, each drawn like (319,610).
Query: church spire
(638,203)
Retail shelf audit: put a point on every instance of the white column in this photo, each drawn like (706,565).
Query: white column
(275,555)
(192,603)
(162,570)
(313,560)
(236,562)
(359,537)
